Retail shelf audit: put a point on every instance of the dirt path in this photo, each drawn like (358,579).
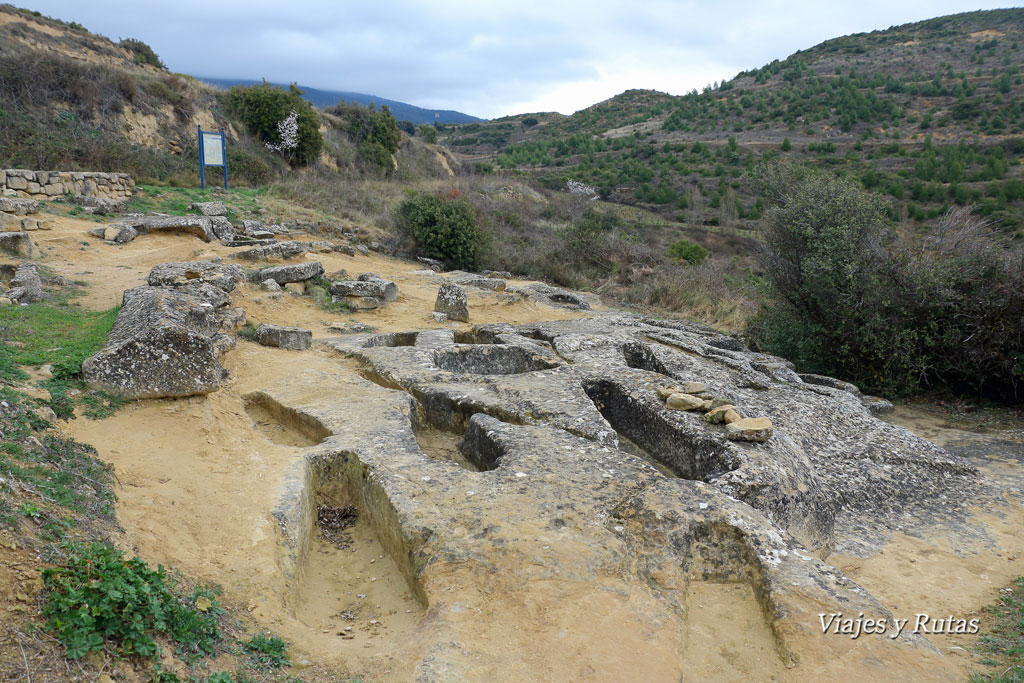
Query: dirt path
(200,475)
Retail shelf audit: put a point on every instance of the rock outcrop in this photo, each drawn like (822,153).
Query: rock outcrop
(162,344)
(574,483)
(16,244)
(451,301)
(359,295)
(223,276)
(26,285)
(168,336)
(200,226)
(209,208)
(298,272)
(273,251)
(819,464)
(294,338)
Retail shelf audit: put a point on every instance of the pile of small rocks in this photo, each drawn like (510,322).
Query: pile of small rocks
(692,396)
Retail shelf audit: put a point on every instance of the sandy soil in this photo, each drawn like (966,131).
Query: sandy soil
(200,475)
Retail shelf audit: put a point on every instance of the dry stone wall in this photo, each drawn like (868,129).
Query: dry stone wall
(16,182)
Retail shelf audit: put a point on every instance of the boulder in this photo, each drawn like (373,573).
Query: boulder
(346,249)
(298,272)
(492,283)
(210,208)
(758,429)
(389,288)
(222,228)
(451,300)
(294,338)
(359,295)
(877,406)
(16,243)
(199,226)
(26,286)
(11,222)
(18,206)
(693,388)
(273,251)
(433,264)
(160,346)
(120,234)
(500,274)
(297,288)
(100,205)
(359,288)
(270,286)
(221,275)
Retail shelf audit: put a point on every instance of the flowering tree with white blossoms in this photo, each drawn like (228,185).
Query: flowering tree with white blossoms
(288,133)
(580,195)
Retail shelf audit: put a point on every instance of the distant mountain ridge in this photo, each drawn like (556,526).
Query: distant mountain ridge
(403,111)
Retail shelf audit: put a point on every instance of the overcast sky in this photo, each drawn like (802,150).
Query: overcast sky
(488,58)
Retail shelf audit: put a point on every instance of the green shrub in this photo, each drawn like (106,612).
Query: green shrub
(942,309)
(689,251)
(97,597)
(375,134)
(268,651)
(262,107)
(427,132)
(443,228)
(142,53)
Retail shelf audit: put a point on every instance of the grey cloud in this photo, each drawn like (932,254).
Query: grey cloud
(483,57)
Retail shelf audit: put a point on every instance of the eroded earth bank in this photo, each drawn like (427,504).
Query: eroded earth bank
(525,504)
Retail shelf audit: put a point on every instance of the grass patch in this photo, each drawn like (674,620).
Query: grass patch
(176,200)
(1003,644)
(60,333)
(48,481)
(247,333)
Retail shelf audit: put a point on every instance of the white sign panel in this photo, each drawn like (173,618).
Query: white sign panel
(213,153)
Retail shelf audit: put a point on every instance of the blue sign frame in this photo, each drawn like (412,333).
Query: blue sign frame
(202,156)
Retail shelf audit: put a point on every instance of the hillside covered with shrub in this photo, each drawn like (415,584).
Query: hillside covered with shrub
(929,114)
(74,100)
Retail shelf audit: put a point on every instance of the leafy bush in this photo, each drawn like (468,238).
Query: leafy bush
(143,53)
(262,107)
(382,140)
(689,251)
(427,132)
(943,309)
(443,228)
(268,651)
(98,596)
(376,134)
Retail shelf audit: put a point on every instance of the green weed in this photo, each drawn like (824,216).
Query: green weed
(97,599)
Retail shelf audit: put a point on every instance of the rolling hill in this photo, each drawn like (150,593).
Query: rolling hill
(929,114)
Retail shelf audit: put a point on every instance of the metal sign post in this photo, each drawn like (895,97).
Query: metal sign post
(212,152)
